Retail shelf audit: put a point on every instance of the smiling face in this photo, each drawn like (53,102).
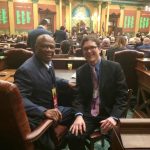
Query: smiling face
(91,52)
(45,48)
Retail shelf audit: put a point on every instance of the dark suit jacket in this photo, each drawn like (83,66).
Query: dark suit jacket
(32,36)
(60,36)
(35,84)
(112,88)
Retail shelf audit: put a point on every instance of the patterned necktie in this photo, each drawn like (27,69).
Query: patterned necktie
(95,101)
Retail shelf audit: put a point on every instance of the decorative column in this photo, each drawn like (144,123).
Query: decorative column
(103,19)
(35,15)
(107,18)
(67,15)
(11,17)
(99,16)
(121,16)
(138,14)
(70,16)
(60,13)
(57,14)
(95,18)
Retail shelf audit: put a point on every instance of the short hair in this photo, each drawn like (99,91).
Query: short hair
(42,37)
(45,22)
(65,46)
(90,38)
(121,41)
(62,28)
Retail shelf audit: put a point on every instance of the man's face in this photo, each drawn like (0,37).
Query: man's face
(91,52)
(45,49)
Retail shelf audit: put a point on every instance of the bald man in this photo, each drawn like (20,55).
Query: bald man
(37,82)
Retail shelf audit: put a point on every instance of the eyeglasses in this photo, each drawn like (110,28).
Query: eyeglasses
(85,49)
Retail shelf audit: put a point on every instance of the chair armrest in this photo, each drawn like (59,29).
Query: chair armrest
(35,134)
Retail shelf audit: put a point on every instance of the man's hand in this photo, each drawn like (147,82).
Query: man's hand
(53,114)
(78,127)
(107,124)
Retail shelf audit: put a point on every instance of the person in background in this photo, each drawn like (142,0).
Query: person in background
(65,46)
(59,36)
(138,42)
(37,84)
(119,45)
(146,44)
(105,43)
(41,29)
(101,95)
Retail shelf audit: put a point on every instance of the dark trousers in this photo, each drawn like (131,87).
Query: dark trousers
(45,142)
(78,142)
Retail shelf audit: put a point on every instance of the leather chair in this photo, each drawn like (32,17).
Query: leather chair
(15,132)
(16,57)
(127,60)
(21,45)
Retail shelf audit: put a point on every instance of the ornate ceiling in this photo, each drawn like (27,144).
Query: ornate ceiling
(121,2)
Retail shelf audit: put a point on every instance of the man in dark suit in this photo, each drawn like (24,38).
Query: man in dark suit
(97,104)
(41,29)
(59,36)
(37,84)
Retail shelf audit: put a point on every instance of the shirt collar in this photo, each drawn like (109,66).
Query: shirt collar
(41,26)
(49,65)
(97,65)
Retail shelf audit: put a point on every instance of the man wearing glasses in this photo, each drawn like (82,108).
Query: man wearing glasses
(101,95)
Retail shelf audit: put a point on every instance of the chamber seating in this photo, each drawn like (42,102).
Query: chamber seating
(142,108)
(21,45)
(15,132)
(16,57)
(127,60)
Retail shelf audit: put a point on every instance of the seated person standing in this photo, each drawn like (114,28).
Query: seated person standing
(101,95)
(37,84)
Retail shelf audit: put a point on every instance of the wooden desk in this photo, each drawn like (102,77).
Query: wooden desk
(62,63)
(131,134)
(65,74)
(143,63)
(143,96)
(7,75)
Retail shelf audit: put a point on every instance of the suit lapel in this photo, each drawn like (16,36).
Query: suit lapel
(102,74)
(87,78)
(41,68)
